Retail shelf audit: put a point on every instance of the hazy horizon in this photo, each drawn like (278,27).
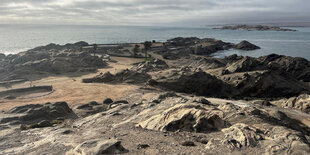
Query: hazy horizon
(153,13)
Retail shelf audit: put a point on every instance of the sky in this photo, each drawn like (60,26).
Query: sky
(153,12)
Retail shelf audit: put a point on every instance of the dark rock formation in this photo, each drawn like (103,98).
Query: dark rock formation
(107,101)
(199,83)
(246,46)
(180,41)
(182,47)
(2,56)
(53,46)
(125,76)
(38,112)
(254,28)
(50,59)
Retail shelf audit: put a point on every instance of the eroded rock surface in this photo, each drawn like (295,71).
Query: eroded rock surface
(178,123)
(125,76)
(37,112)
(96,147)
(185,117)
(301,102)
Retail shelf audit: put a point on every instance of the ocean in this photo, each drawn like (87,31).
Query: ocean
(18,38)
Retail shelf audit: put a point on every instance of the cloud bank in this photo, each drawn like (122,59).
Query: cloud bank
(153,12)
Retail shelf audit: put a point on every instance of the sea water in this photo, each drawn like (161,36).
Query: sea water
(17,38)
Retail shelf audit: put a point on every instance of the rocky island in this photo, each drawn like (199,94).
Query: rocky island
(153,98)
(254,28)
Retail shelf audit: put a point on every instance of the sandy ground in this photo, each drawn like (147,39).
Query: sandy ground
(73,91)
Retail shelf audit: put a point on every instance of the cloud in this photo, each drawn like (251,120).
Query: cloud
(152,12)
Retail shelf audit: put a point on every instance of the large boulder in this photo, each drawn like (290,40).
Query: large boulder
(97,147)
(246,46)
(185,117)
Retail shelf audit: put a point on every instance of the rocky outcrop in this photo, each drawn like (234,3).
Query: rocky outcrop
(153,65)
(2,56)
(51,59)
(254,28)
(264,84)
(210,46)
(176,123)
(297,67)
(246,46)
(98,146)
(125,76)
(180,41)
(178,48)
(197,82)
(207,63)
(245,64)
(241,135)
(185,117)
(37,112)
(269,139)
(301,102)
(53,46)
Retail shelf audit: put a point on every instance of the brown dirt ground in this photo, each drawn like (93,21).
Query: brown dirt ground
(73,91)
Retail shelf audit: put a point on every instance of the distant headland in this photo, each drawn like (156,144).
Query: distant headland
(254,28)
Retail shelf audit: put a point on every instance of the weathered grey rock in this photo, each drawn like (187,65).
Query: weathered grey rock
(241,135)
(97,147)
(185,117)
(153,65)
(301,102)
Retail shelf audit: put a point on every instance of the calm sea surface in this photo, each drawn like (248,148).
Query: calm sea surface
(17,38)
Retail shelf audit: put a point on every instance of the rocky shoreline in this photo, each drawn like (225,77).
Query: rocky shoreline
(181,100)
(254,28)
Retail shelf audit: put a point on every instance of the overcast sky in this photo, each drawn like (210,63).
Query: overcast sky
(153,12)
